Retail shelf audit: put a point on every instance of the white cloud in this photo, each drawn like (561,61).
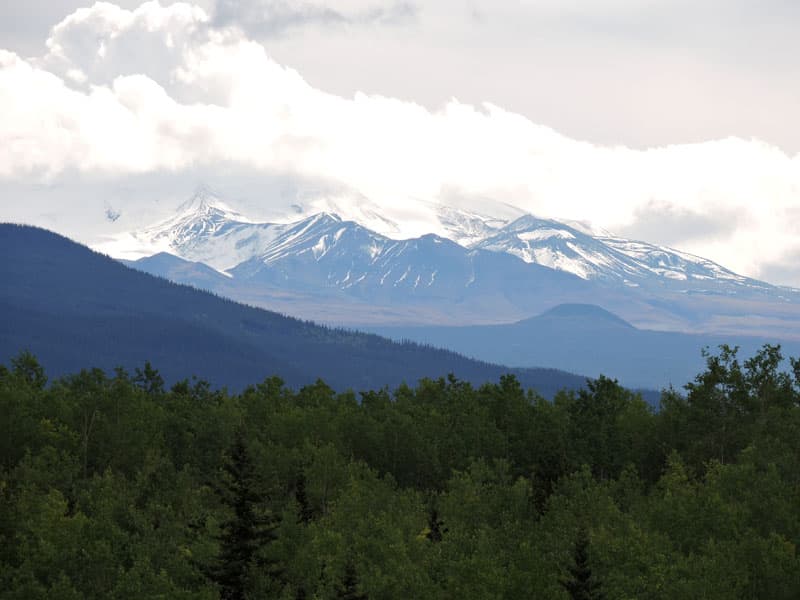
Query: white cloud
(272,17)
(160,89)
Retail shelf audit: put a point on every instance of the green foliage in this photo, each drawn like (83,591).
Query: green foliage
(581,584)
(112,486)
(247,531)
(349,589)
(26,369)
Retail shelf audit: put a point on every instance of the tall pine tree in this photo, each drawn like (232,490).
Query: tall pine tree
(249,530)
(436,528)
(349,590)
(304,511)
(582,585)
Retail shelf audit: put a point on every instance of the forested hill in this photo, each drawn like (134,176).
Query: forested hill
(75,308)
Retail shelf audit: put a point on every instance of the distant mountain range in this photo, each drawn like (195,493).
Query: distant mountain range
(75,309)
(604,257)
(585,338)
(472,269)
(205,229)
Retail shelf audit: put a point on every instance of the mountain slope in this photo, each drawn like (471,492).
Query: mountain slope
(586,339)
(325,253)
(178,270)
(75,308)
(601,256)
(205,229)
(327,268)
(324,267)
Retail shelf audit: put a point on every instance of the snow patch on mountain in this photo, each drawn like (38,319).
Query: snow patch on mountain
(360,243)
(204,229)
(602,256)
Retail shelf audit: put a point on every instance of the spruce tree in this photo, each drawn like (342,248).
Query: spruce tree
(247,532)
(149,379)
(304,511)
(349,588)
(436,528)
(582,585)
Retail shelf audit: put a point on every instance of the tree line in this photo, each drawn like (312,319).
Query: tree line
(117,486)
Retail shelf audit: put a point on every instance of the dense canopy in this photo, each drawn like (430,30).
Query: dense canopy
(112,486)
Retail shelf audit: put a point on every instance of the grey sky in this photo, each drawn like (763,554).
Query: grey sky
(640,73)
(688,109)
(663,224)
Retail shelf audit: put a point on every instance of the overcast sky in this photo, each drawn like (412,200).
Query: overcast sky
(667,120)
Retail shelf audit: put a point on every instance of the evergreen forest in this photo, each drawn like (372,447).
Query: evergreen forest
(115,485)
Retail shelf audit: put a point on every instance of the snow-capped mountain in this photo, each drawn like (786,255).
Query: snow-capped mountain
(205,229)
(324,252)
(470,222)
(604,257)
(470,268)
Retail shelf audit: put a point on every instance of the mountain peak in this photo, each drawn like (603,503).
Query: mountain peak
(583,311)
(529,222)
(324,217)
(204,228)
(204,202)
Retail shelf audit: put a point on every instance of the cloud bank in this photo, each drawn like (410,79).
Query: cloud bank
(160,91)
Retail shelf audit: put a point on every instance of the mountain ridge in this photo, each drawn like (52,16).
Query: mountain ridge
(589,339)
(574,248)
(327,266)
(571,311)
(73,307)
(608,257)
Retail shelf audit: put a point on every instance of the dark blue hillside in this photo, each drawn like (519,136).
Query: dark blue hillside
(580,313)
(179,270)
(588,339)
(75,308)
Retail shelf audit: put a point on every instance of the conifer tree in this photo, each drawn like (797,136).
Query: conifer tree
(349,588)
(247,532)
(149,379)
(304,511)
(28,369)
(436,528)
(582,585)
